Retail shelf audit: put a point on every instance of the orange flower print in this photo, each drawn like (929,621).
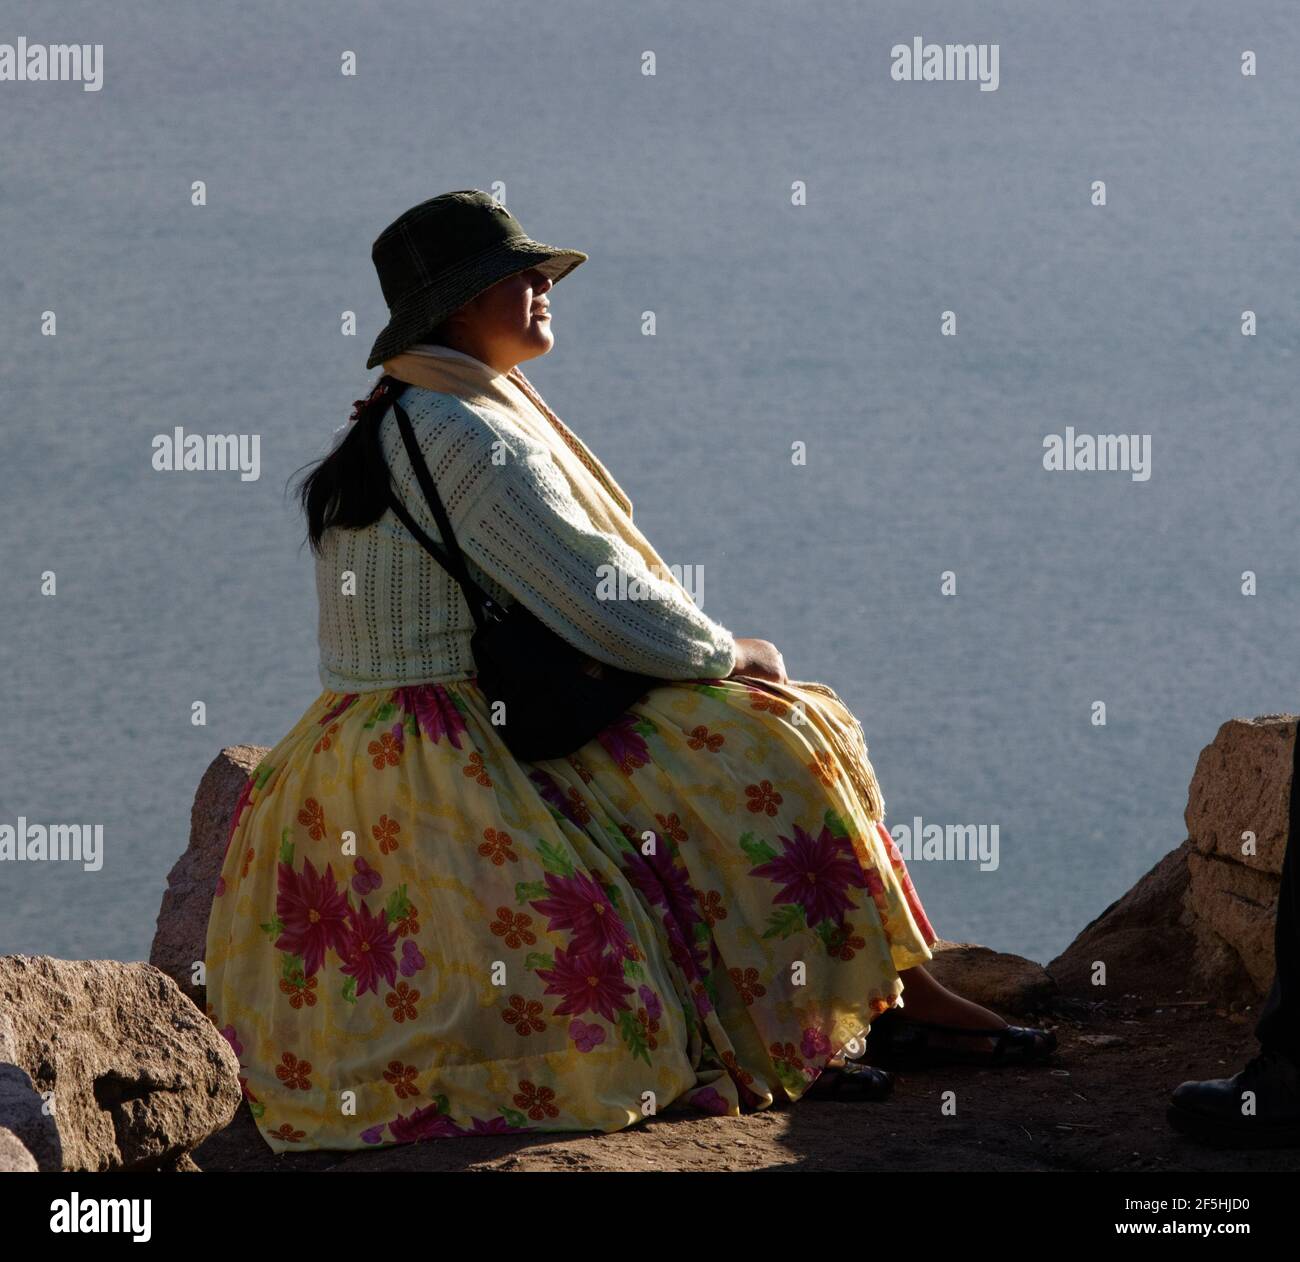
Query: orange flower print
(496,846)
(733,1067)
(385,833)
(524,1015)
(477,771)
(711,907)
(288,1135)
(312,818)
(401,1078)
(408,923)
(762,797)
(843,943)
(536,1101)
(701,738)
(248,861)
(649,1028)
(294,1072)
(581,770)
(672,826)
(402,1002)
(326,740)
(759,700)
(299,990)
(385,752)
(578,811)
(823,766)
(786,1052)
(513,927)
(747,983)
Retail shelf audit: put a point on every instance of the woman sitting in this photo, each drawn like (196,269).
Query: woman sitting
(418,932)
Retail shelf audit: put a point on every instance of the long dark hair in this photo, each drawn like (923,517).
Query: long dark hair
(349,487)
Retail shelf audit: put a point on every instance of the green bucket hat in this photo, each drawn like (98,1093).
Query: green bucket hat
(438,255)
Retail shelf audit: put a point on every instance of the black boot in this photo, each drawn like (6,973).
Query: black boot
(1257,1108)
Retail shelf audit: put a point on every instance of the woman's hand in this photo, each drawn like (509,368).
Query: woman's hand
(760,659)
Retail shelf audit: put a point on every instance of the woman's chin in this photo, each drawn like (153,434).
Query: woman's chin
(540,339)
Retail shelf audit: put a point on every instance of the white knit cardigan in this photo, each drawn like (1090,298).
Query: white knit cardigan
(390,615)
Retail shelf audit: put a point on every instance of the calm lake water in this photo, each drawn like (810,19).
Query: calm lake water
(776,323)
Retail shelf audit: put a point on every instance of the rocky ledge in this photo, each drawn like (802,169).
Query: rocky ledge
(109,1066)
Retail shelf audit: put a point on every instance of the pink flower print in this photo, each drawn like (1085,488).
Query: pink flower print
(314,913)
(570,805)
(412,959)
(624,744)
(654,1009)
(228,1033)
(435,712)
(589,983)
(815,873)
(494,1126)
(367,879)
(425,1123)
(707,1100)
(240,804)
(814,1044)
(585,1036)
(579,905)
(368,952)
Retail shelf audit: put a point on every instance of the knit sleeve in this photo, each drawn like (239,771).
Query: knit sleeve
(527,532)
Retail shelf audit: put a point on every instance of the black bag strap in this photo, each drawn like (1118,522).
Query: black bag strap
(481,606)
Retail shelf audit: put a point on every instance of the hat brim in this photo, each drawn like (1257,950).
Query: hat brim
(429,305)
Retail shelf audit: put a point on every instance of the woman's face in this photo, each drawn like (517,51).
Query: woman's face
(507,323)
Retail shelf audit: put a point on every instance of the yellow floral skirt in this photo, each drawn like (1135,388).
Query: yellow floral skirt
(416,935)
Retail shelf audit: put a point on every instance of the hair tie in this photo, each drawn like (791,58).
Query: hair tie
(360,407)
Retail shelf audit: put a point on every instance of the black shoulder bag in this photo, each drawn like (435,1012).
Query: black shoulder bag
(552,699)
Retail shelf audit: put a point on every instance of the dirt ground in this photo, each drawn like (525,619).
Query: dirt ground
(1099,1105)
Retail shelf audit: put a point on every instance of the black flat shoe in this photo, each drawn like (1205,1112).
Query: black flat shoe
(1256,1108)
(897,1043)
(851,1082)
